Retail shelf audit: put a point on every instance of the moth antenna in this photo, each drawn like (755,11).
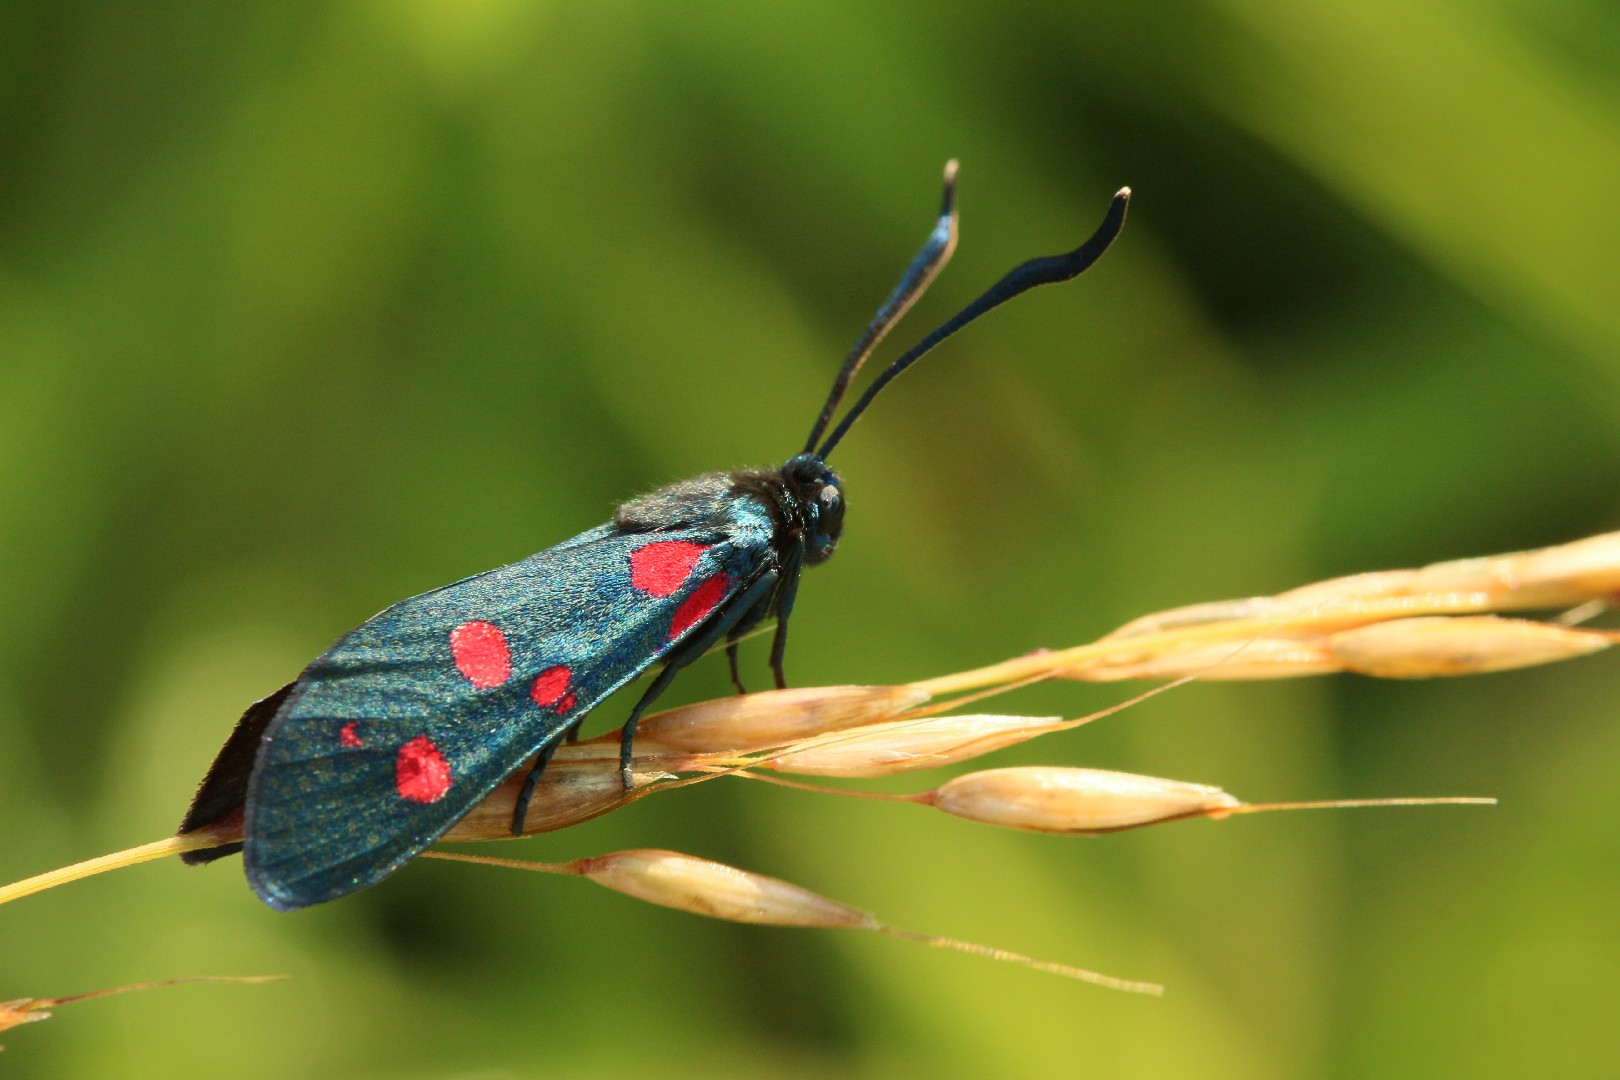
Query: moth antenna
(1048,270)
(935,253)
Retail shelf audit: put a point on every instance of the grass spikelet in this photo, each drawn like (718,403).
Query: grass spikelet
(1069,800)
(1299,632)
(28,1010)
(770,718)
(906,745)
(568,793)
(704,887)
(1459,645)
(1091,801)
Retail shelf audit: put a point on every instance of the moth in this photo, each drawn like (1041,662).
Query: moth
(399,729)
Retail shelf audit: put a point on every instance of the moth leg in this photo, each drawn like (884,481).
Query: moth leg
(791,568)
(627,738)
(520,811)
(707,637)
(778,650)
(752,617)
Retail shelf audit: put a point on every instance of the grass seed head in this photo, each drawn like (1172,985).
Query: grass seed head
(1462,645)
(21,1011)
(702,887)
(1068,800)
(688,883)
(1277,655)
(760,721)
(1551,577)
(27,1010)
(568,793)
(907,745)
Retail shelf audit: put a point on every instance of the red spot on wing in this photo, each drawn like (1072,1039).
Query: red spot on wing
(420,772)
(350,736)
(661,567)
(567,704)
(695,608)
(550,686)
(481,653)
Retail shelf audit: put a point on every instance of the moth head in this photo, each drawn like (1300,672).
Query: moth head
(820,497)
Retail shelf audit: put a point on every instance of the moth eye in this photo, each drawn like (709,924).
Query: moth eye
(830,503)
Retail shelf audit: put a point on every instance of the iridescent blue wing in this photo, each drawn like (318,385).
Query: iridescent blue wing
(400,728)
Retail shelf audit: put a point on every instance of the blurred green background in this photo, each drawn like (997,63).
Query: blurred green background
(308,307)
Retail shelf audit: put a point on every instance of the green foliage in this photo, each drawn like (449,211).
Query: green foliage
(305,308)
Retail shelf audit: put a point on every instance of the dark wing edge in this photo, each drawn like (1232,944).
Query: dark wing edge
(223,790)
